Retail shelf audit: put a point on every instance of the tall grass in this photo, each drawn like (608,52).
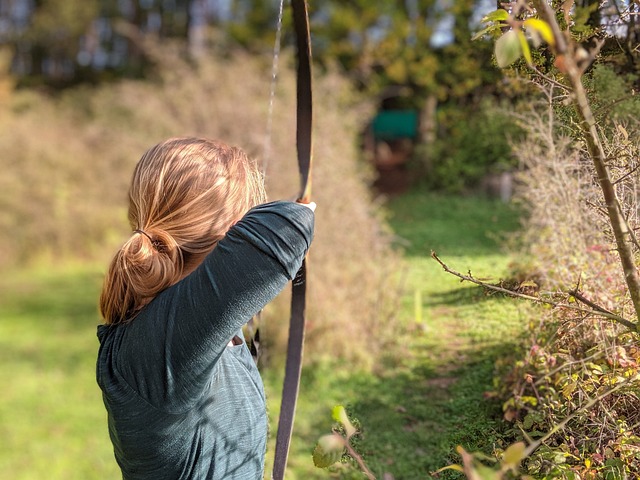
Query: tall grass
(68,160)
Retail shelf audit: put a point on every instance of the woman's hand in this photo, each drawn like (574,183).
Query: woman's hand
(311,205)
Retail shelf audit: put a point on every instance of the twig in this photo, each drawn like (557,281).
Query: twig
(628,174)
(549,79)
(578,296)
(601,311)
(604,108)
(358,458)
(582,361)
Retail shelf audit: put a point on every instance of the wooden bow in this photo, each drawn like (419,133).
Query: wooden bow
(293,367)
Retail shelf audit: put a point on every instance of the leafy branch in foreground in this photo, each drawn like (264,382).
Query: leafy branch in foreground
(331,448)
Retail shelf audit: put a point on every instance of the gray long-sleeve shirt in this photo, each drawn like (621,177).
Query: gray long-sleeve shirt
(181,402)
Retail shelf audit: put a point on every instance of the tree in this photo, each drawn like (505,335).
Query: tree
(390,44)
(53,35)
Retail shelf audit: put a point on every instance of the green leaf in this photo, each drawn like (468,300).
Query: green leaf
(328,451)
(508,49)
(482,472)
(513,455)
(339,414)
(485,31)
(542,28)
(524,45)
(499,15)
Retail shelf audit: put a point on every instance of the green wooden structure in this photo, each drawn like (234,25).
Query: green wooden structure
(395,124)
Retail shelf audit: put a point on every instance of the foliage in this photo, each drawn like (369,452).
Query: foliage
(390,46)
(474,142)
(57,25)
(566,239)
(612,96)
(253,24)
(582,373)
(571,360)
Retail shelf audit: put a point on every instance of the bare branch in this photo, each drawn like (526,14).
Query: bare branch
(549,79)
(594,310)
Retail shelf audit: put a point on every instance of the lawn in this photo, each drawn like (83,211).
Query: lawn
(413,410)
(52,422)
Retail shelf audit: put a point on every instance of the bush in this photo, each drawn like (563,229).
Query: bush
(68,162)
(577,376)
(566,234)
(473,141)
(582,371)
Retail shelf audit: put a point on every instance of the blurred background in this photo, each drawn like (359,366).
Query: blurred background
(101,80)
(404,102)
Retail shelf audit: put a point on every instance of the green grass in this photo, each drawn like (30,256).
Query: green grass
(425,400)
(434,398)
(52,421)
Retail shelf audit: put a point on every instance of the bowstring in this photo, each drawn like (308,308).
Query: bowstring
(266,156)
(254,324)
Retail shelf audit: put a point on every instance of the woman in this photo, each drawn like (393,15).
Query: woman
(183,396)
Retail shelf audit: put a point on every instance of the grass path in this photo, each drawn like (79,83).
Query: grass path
(458,332)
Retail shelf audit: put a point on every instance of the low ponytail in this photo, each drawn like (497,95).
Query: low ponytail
(184,196)
(146,264)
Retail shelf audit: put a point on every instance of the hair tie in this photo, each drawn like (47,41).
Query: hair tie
(142,232)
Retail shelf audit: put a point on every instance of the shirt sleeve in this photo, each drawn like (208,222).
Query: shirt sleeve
(169,350)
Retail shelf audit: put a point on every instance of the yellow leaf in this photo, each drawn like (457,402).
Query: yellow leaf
(339,414)
(524,46)
(514,454)
(542,28)
(457,468)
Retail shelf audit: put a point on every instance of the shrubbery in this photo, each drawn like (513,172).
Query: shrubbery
(577,377)
(473,141)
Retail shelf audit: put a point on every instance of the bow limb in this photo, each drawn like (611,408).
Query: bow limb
(304,112)
(293,366)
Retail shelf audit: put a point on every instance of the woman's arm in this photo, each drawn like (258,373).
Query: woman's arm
(169,350)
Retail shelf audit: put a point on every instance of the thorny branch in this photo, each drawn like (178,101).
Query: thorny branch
(593,310)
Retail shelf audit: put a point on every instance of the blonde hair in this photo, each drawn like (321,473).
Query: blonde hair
(185,194)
